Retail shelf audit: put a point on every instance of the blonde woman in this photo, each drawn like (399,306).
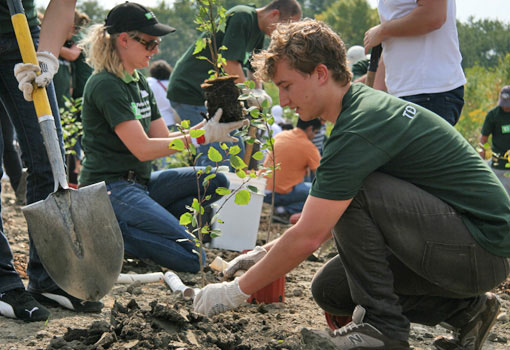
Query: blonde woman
(123,132)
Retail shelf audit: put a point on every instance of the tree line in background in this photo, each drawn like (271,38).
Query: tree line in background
(484,44)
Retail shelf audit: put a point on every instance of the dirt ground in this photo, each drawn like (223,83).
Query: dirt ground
(150,316)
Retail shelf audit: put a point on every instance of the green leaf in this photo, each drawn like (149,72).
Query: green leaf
(215,233)
(177,145)
(234,150)
(251,84)
(223,146)
(196,133)
(185,219)
(195,205)
(214,155)
(185,124)
(200,44)
(252,188)
(255,113)
(258,155)
(223,191)
(241,174)
(237,162)
(242,197)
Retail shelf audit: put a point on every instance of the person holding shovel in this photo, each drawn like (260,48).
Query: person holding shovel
(15,301)
(422,224)
(123,131)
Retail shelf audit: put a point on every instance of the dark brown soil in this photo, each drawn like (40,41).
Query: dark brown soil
(223,93)
(149,316)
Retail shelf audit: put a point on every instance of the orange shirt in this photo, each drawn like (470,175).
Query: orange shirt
(295,153)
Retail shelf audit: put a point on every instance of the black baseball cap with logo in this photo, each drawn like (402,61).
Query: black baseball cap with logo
(131,16)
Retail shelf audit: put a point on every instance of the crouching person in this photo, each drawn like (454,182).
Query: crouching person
(123,132)
(422,225)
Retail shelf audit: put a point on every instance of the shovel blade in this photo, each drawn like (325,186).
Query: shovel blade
(78,240)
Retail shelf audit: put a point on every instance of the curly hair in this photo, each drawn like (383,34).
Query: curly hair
(304,45)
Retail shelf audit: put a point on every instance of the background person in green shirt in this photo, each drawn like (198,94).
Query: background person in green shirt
(497,124)
(421,223)
(123,132)
(244,33)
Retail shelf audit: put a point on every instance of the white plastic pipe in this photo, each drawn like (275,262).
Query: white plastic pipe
(142,277)
(175,284)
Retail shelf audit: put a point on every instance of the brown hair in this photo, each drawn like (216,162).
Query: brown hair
(287,8)
(160,69)
(304,45)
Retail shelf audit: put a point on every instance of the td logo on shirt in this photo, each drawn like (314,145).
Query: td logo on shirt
(505,129)
(409,112)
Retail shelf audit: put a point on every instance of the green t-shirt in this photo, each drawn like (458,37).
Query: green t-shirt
(360,68)
(108,101)
(242,36)
(5,16)
(378,132)
(62,82)
(81,71)
(497,123)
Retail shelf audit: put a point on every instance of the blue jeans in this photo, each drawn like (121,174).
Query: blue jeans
(33,155)
(405,256)
(447,105)
(192,113)
(293,201)
(149,215)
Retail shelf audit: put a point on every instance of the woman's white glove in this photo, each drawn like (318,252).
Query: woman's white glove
(219,297)
(257,96)
(219,132)
(244,261)
(26,73)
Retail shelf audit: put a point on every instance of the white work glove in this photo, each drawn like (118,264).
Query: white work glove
(26,73)
(244,261)
(219,132)
(219,297)
(257,96)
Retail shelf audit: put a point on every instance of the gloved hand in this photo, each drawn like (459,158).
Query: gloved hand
(257,96)
(219,132)
(26,73)
(219,297)
(244,261)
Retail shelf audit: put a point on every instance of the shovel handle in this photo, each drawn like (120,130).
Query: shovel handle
(40,97)
(27,49)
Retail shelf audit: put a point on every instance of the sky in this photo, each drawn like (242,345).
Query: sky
(479,9)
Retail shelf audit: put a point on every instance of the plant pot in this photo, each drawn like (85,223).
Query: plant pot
(273,293)
(223,93)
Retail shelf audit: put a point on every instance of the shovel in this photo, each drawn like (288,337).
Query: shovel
(75,232)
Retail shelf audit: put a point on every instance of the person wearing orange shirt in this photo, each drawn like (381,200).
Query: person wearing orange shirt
(295,155)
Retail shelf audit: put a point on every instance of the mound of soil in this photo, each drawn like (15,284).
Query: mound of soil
(149,316)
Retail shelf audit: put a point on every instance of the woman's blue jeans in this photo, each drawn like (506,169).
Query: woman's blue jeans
(149,216)
(293,201)
(33,154)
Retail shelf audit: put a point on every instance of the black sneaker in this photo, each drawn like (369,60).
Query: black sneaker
(473,334)
(18,303)
(357,335)
(65,300)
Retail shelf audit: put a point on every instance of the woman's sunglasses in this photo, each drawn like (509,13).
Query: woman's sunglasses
(149,45)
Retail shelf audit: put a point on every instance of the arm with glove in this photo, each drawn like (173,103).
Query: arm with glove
(58,20)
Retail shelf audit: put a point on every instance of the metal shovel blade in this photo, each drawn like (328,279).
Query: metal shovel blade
(79,237)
